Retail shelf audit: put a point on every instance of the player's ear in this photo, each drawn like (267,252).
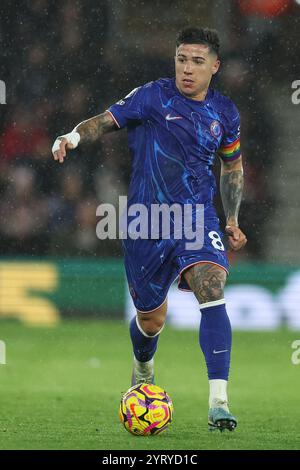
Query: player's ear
(216,66)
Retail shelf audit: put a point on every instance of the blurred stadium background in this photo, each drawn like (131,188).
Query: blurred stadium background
(65,61)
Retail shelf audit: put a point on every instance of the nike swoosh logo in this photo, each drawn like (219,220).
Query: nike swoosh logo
(172,118)
(218,352)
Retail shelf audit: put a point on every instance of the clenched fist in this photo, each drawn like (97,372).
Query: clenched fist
(237,239)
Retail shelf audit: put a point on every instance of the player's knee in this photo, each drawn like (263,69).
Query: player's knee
(213,296)
(207,281)
(151,325)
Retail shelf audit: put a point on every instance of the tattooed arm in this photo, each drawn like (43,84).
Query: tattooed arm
(87,131)
(92,129)
(231,187)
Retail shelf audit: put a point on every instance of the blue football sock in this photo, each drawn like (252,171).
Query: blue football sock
(215,339)
(144,346)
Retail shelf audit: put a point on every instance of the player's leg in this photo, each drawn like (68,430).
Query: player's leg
(149,278)
(144,332)
(207,281)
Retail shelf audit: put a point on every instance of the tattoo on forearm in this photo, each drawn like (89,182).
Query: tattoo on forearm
(207,281)
(92,129)
(231,187)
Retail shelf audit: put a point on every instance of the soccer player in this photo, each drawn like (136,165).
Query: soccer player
(176,127)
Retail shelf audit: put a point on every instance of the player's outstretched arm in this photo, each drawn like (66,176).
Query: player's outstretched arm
(87,131)
(231,187)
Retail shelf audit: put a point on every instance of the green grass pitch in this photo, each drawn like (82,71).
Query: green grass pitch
(61,387)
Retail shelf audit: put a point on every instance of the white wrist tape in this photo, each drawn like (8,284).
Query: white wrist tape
(72,138)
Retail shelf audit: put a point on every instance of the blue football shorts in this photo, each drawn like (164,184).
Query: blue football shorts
(153,265)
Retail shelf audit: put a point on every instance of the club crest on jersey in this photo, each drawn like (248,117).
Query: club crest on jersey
(215,129)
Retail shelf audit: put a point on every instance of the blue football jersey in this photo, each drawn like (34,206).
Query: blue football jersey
(174,140)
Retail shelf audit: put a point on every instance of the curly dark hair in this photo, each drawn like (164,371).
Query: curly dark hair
(204,36)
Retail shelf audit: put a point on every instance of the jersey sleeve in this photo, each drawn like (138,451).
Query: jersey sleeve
(135,106)
(230,148)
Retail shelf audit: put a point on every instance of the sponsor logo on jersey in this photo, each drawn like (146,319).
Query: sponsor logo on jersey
(172,118)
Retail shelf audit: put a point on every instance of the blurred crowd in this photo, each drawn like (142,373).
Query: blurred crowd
(62,65)
(56,76)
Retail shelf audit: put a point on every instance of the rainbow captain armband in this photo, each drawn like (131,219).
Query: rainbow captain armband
(230,152)
(73,138)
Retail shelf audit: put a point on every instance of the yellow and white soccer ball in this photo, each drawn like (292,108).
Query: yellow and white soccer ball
(145,410)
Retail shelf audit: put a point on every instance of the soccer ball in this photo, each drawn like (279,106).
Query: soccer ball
(145,410)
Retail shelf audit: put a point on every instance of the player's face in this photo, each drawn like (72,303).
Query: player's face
(195,65)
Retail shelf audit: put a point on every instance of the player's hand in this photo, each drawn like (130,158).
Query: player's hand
(59,149)
(237,239)
(64,143)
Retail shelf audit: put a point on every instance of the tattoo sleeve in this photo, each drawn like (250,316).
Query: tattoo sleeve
(231,187)
(93,128)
